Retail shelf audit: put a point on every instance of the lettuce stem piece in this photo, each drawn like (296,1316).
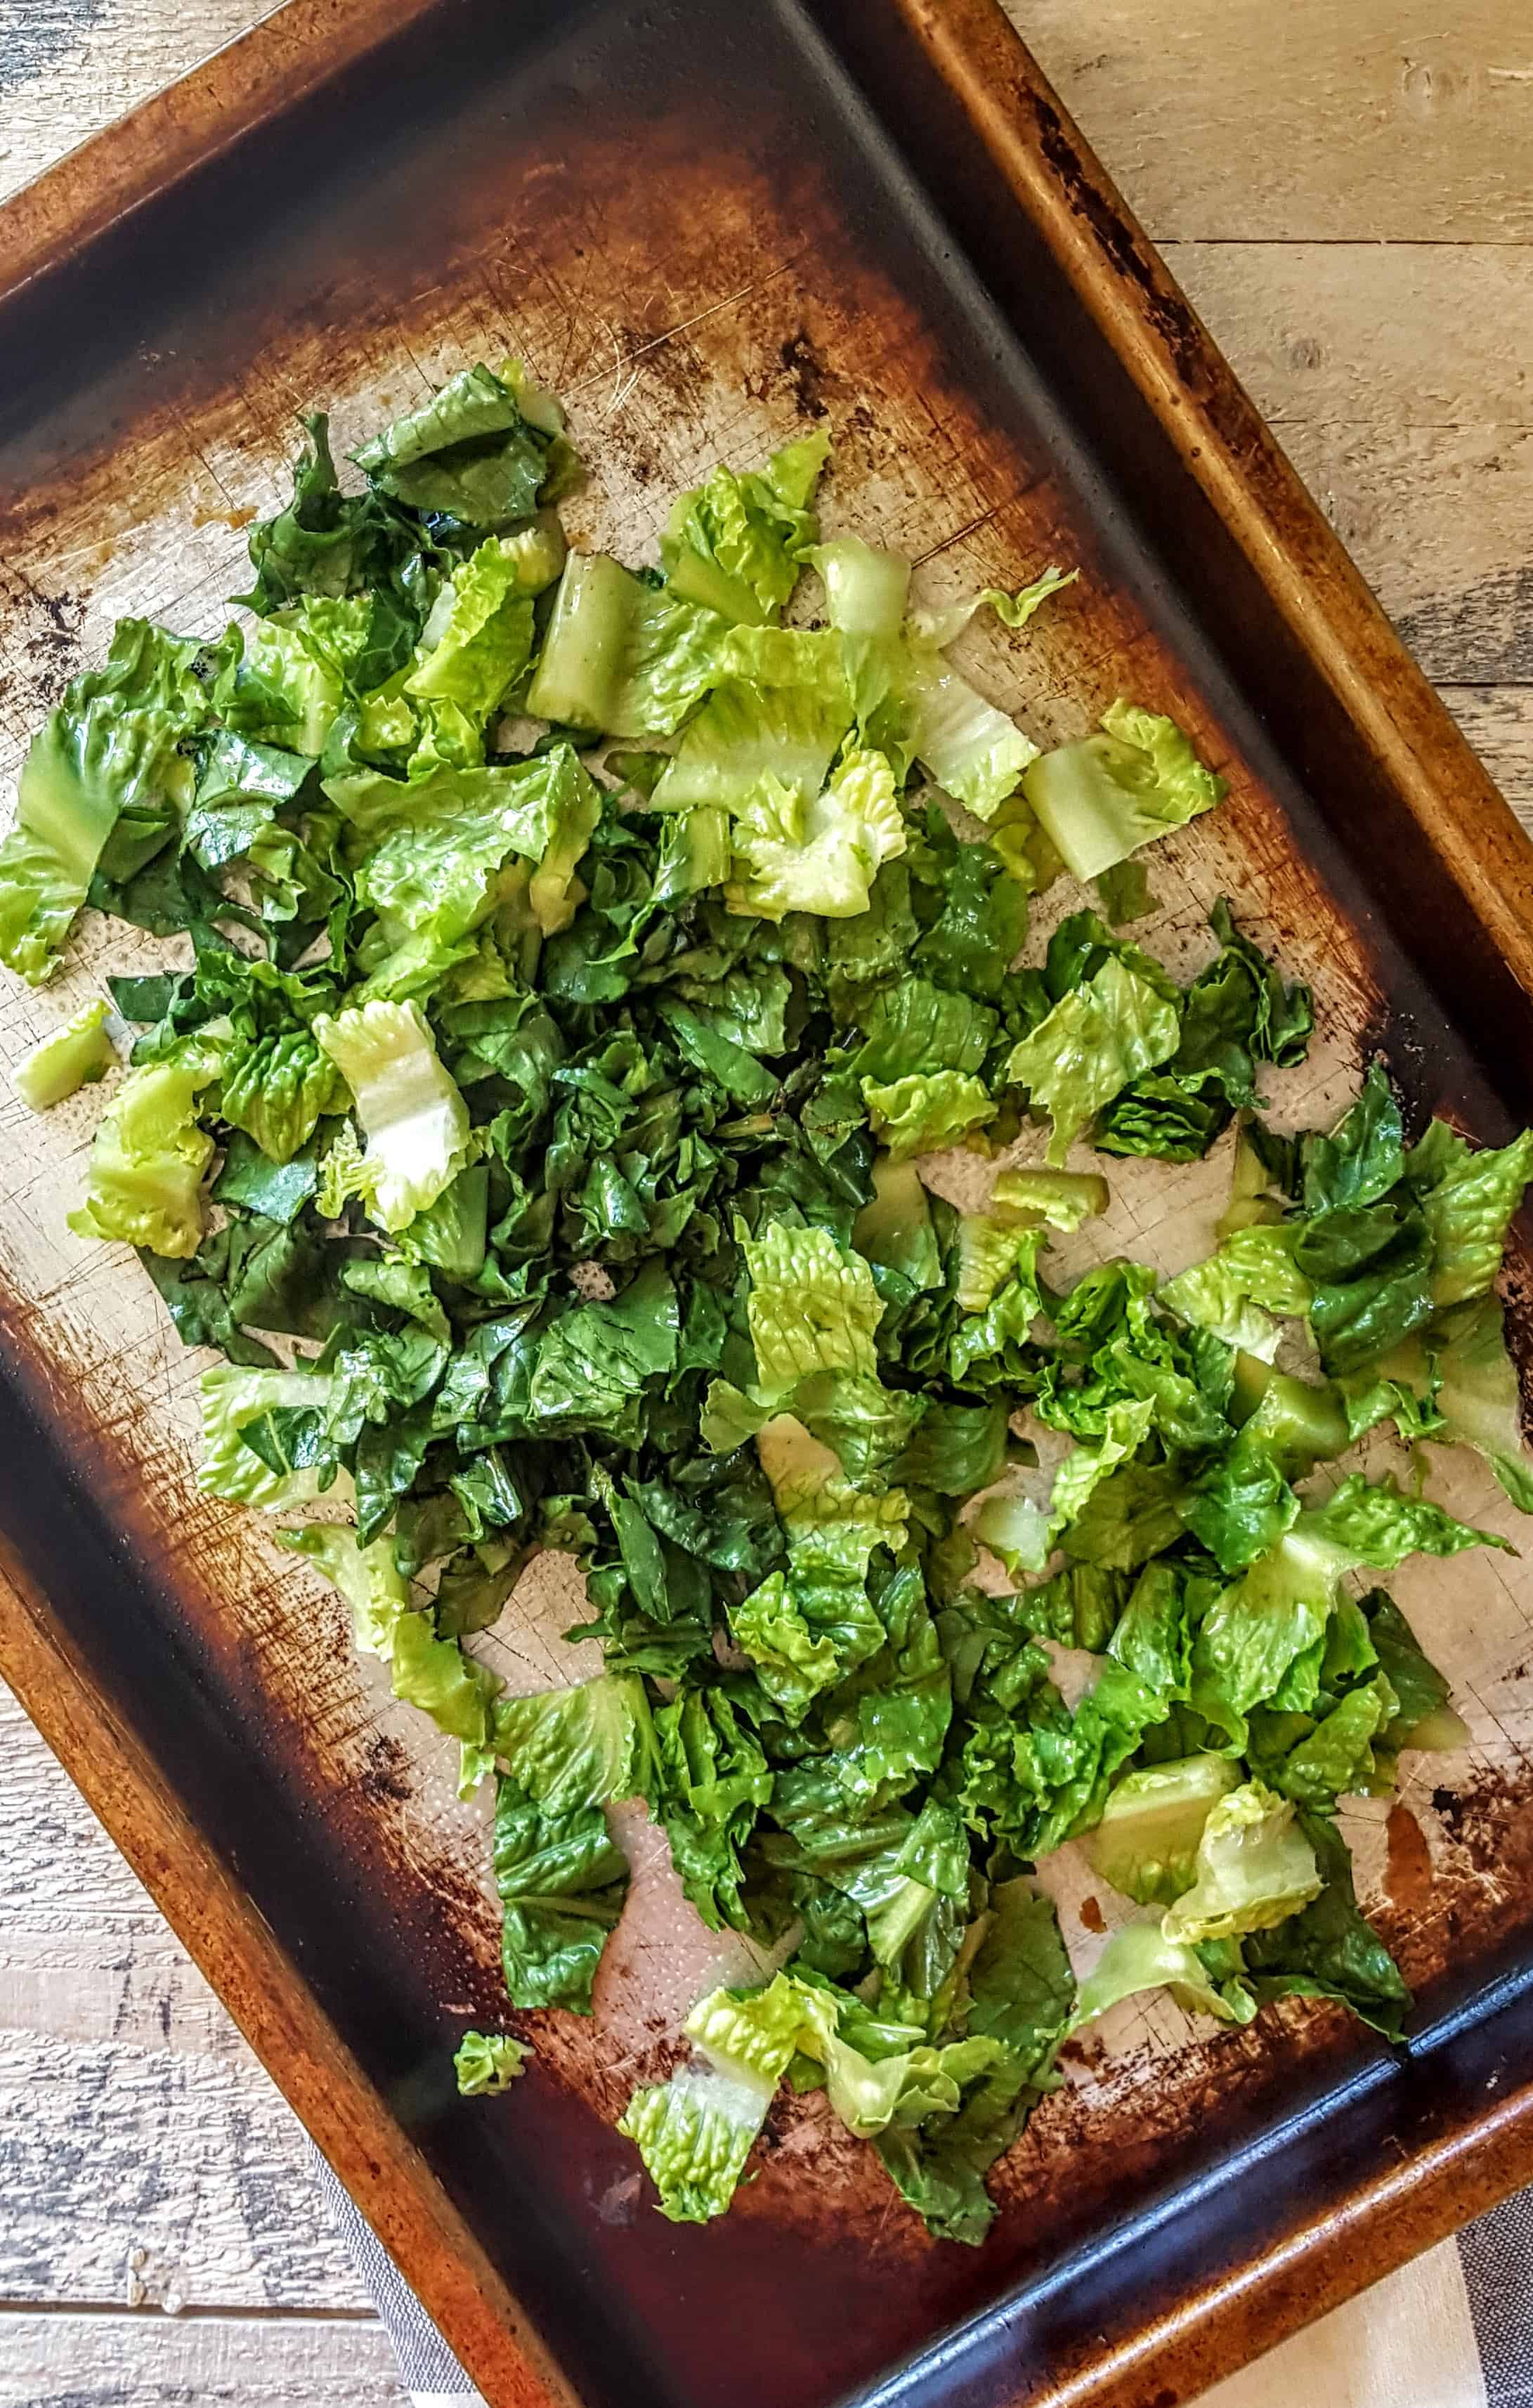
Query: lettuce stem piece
(415,1119)
(1100,800)
(72,1055)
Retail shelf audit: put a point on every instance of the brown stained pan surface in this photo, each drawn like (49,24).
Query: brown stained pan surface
(675,214)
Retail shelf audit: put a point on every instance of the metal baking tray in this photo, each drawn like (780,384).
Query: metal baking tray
(708,223)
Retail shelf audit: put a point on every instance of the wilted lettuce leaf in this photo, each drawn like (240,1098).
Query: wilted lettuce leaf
(1095,1042)
(562,1884)
(108,754)
(467,452)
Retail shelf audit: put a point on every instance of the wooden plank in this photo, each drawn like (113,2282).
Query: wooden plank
(69,66)
(1380,121)
(149,2361)
(135,2118)
(1498,721)
(1398,380)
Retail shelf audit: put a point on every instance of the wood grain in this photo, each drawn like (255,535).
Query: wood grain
(1361,252)
(135,2117)
(1324,120)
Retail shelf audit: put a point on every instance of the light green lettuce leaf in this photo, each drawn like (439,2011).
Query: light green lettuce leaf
(622,659)
(433,849)
(1146,1843)
(1261,1641)
(1063,1198)
(1099,800)
(695,2131)
(1140,1958)
(72,1055)
(487,2063)
(895,1226)
(415,1121)
(811,1308)
(108,749)
(429,1672)
(149,1157)
(864,588)
(796,853)
(1127,1426)
(366,1577)
(989,1252)
(1096,1042)
(283,679)
(230,1398)
(1255,1868)
(587,1745)
(1469,1199)
(925,1112)
(1013,609)
(1337,1758)
(781,710)
(974,752)
(735,542)
(1233,1293)
(481,642)
(1478,1393)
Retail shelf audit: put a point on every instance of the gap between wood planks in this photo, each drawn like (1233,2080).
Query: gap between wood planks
(149,2310)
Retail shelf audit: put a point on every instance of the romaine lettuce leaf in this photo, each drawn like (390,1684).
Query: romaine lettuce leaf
(487,2063)
(467,452)
(735,542)
(149,1159)
(1099,799)
(793,853)
(1095,1042)
(432,849)
(1146,1843)
(926,1111)
(108,752)
(482,641)
(72,1055)
(414,1119)
(622,659)
(1468,1200)
(1254,1867)
(1233,1293)
(562,1883)
(1140,1958)
(813,1307)
(233,1399)
(780,708)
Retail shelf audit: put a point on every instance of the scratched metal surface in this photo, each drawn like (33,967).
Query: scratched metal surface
(701,275)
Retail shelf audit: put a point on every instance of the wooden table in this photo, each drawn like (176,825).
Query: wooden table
(1347,192)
